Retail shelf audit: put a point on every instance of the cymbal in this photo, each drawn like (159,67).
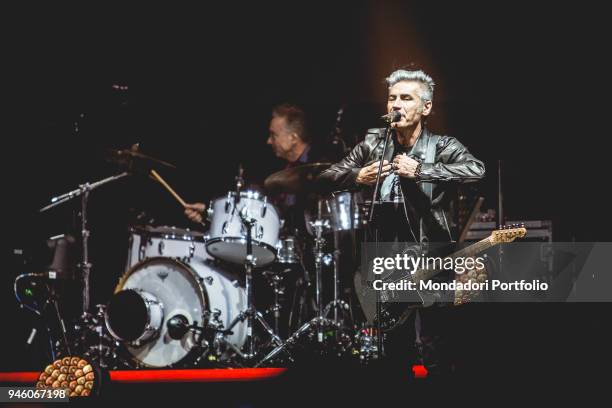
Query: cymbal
(126,155)
(295,179)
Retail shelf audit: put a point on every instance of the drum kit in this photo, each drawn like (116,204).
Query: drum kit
(186,297)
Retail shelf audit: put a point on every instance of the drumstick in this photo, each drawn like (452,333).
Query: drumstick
(174,193)
(167,186)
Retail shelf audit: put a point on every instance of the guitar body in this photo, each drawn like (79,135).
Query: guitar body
(393,314)
(397,306)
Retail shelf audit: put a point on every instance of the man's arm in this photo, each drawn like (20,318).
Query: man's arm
(454,163)
(343,175)
(353,170)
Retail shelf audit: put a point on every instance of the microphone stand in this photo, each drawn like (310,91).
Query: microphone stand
(83,191)
(379,336)
(380,166)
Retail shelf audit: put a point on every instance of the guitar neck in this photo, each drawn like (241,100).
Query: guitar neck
(425,274)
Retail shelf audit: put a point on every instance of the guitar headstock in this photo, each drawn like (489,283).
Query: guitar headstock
(508,233)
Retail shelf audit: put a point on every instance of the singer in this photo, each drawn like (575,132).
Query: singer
(419,171)
(419,167)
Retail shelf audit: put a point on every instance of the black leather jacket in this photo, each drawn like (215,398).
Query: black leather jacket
(428,199)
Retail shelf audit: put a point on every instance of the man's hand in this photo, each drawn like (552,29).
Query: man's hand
(367,175)
(405,166)
(195,211)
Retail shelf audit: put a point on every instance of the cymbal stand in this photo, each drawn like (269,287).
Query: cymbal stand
(320,320)
(337,303)
(275,280)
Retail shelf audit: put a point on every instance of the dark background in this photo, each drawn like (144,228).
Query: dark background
(515,81)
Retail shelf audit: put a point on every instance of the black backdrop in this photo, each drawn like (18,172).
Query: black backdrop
(515,81)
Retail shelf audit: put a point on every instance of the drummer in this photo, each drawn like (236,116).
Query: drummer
(290,139)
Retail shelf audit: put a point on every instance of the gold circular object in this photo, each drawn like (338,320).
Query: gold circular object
(72,373)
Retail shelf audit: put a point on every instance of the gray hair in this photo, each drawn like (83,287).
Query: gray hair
(295,118)
(427,83)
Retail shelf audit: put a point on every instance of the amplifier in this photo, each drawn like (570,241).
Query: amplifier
(536,230)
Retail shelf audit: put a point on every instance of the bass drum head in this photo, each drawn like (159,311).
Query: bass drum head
(178,289)
(128,317)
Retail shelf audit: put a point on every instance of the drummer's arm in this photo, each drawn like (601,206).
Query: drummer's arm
(195,211)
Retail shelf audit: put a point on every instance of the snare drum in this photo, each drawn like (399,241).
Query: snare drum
(227,235)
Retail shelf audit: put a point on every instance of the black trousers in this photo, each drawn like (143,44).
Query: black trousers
(427,337)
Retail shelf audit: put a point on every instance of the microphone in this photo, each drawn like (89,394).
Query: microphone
(177,327)
(393,116)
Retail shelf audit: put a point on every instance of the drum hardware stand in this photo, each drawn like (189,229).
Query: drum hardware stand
(216,337)
(83,191)
(104,349)
(275,281)
(366,341)
(301,286)
(338,303)
(300,294)
(320,320)
(321,258)
(100,351)
(250,314)
(210,336)
(326,259)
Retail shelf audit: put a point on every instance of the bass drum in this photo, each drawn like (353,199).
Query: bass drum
(160,289)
